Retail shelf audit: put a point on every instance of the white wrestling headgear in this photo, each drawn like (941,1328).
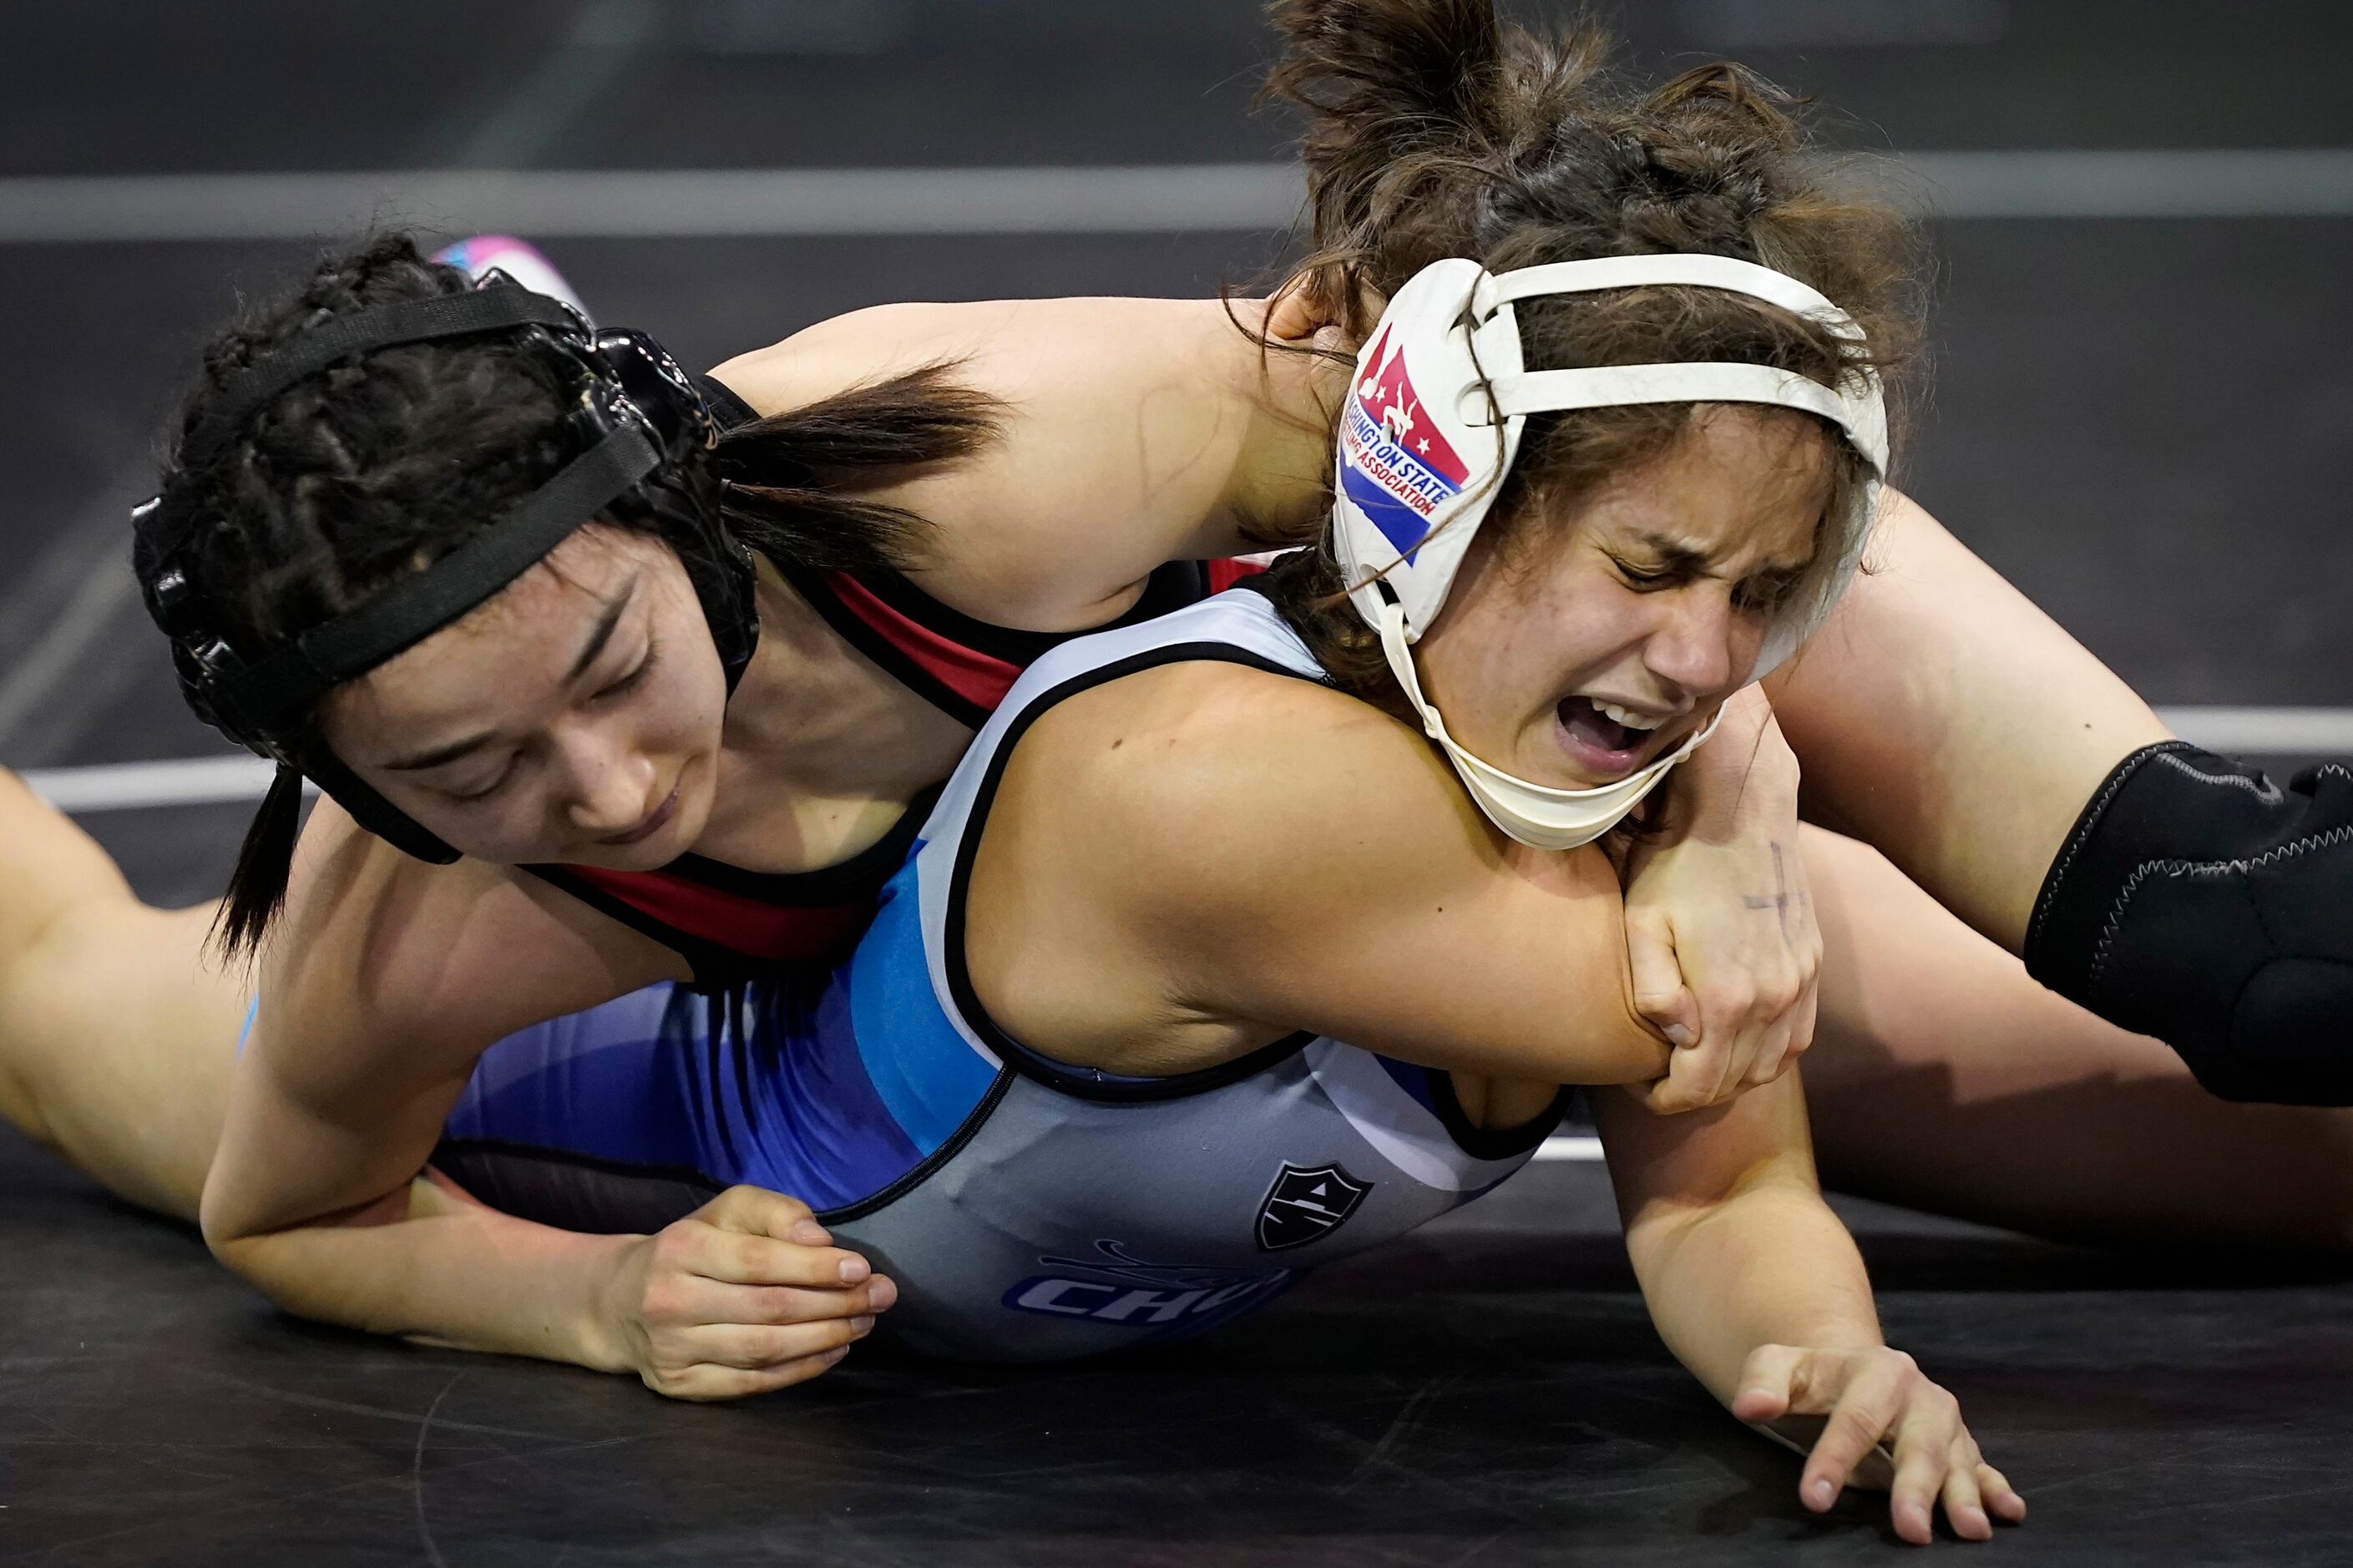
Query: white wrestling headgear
(1422,461)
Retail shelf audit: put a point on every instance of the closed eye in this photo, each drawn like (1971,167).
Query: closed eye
(635,678)
(1638,577)
(488,790)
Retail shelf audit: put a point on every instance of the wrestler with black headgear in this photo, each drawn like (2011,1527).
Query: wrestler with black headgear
(2216,1170)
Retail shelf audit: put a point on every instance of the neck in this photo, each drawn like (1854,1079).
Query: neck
(814,721)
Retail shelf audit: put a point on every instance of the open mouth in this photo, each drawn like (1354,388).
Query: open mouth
(1603,745)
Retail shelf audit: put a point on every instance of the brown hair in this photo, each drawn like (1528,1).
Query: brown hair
(1435,130)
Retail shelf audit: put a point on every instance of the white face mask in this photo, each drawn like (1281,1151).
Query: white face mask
(1421,458)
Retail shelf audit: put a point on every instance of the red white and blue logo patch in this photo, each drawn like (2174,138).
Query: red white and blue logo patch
(1396,466)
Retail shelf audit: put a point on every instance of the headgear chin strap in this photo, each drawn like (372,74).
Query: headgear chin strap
(1538,816)
(634,416)
(1422,458)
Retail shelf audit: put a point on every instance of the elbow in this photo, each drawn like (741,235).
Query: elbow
(235,1240)
(1621,1047)
(260,1248)
(222,1228)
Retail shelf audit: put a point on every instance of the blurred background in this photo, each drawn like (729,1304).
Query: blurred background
(2141,407)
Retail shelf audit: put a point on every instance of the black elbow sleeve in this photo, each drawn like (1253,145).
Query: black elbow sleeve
(2198,902)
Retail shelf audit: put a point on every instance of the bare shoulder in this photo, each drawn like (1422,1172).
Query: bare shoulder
(856,349)
(1008,348)
(1227,772)
(1182,859)
(1155,842)
(1123,425)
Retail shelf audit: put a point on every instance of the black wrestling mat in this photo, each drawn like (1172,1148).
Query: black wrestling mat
(1488,1393)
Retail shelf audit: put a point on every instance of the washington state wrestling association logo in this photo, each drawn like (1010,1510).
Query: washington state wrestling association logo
(1164,1298)
(1306,1205)
(1400,468)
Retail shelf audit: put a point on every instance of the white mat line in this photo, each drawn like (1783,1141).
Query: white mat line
(639,203)
(1157,199)
(2129,183)
(2265,732)
(125,786)
(204,781)
(75,593)
(1569,1147)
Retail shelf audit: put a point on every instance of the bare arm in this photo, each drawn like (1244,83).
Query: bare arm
(1719,919)
(1728,1232)
(386,983)
(1758,1289)
(1141,431)
(1945,719)
(1187,863)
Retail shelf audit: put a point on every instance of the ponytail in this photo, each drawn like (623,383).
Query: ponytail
(790,481)
(1435,130)
(257,889)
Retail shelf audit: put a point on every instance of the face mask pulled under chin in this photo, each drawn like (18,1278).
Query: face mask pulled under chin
(1538,816)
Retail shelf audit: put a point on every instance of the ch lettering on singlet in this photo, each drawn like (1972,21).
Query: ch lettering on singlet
(1120,1288)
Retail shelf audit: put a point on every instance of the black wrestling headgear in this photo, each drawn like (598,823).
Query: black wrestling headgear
(634,415)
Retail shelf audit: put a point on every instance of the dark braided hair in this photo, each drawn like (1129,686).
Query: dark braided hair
(1436,131)
(380,466)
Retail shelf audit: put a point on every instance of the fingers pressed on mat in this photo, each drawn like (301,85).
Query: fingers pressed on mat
(1964,1507)
(2001,1499)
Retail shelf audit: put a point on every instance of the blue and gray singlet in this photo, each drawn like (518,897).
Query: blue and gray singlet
(1028,1210)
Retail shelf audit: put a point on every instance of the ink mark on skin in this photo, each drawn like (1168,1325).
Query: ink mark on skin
(1779,903)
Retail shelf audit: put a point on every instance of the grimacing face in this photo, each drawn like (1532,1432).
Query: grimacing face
(575,716)
(1603,637)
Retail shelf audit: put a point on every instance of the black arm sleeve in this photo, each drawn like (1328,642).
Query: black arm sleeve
(2198,902)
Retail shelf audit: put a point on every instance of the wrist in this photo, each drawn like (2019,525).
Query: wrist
(1745,773)
(596,1334)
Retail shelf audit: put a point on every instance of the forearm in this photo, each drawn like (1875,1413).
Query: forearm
(1742,782)
(1720,929)
(431,1265)
(1770,1265)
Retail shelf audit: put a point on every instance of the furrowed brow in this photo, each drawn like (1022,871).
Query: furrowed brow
(1674,554)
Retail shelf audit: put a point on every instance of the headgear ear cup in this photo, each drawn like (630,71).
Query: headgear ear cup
(1433,423)
(726,577)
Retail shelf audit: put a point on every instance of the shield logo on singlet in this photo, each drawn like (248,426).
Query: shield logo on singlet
(1305,1206)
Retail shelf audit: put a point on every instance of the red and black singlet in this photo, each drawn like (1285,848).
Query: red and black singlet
(731,924)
